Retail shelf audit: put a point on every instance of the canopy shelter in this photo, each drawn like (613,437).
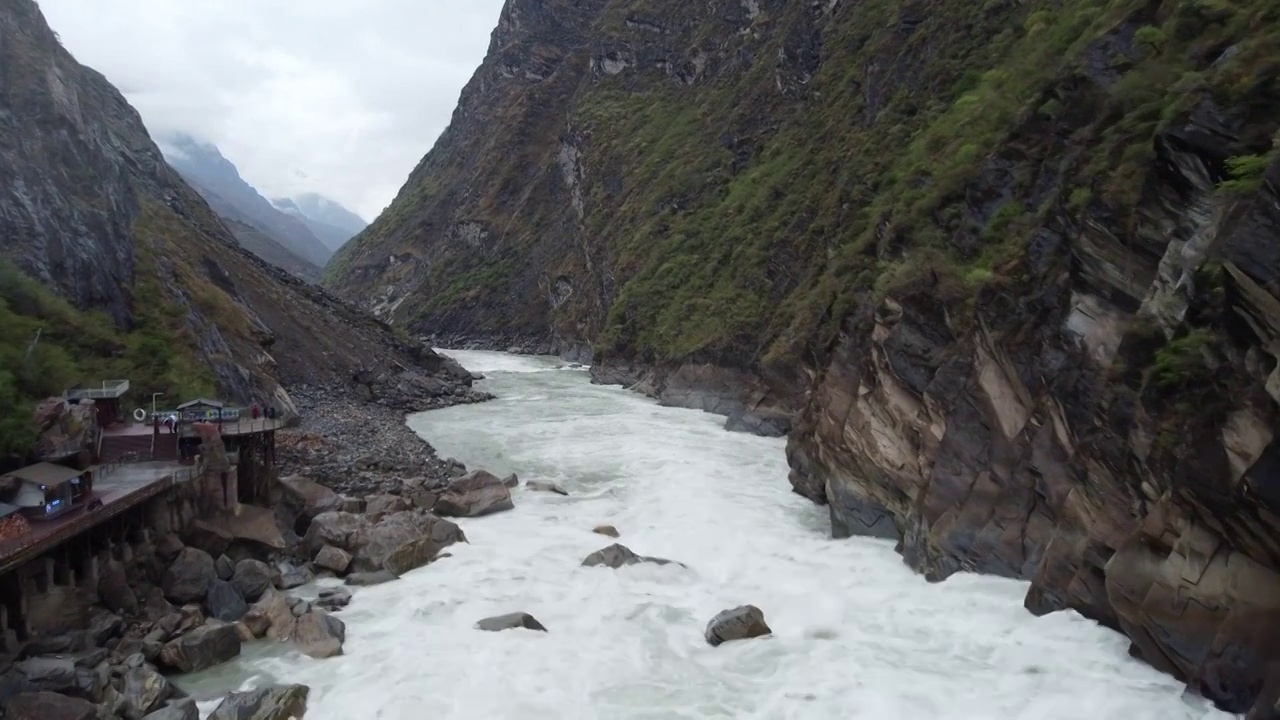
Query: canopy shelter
(109,398)
(45,490)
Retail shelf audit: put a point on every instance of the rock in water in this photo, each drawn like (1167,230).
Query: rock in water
(740,623)
(292,576)
(473,495)
(144,690)
(188,577)
(511,480)
(48,706)
(616,556)
(319,634)
(276,702)
(225,602)
(202,648)
(334,598)
(542,486)
(607,530)
(510,621)
(371,578)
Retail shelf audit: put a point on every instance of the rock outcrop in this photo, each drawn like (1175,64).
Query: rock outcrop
(396,543)
(473,495)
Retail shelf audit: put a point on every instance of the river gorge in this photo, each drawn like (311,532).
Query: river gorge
(855,632)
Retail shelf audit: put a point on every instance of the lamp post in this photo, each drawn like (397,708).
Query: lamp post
(153,402)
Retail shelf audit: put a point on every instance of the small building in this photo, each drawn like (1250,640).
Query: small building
(45,491)
(108,398)
(201,409)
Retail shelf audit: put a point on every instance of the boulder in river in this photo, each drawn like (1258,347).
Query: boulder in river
(274,606)
(367,579)
(510,621)
(543,486)
(319,634)
(740,623)
(275,702)
(475,494)
(617,555)
(48,706)
(334,598)
(188,577)
(292,576)
(511,480)
(381,505)
(202,648)
(606,530)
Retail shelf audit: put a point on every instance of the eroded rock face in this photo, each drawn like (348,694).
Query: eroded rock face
(1121,457)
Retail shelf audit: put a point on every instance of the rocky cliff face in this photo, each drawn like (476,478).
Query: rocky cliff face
(1006,271)
(89,208)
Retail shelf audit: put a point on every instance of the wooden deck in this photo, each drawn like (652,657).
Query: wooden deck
(120,488)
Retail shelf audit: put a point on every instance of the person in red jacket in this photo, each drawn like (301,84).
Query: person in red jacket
(255,411)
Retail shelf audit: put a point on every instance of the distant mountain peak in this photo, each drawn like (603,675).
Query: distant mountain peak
(329,219)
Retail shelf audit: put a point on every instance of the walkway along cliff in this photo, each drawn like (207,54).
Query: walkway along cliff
(1006,273)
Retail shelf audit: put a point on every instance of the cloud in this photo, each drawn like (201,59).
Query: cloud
(340,97)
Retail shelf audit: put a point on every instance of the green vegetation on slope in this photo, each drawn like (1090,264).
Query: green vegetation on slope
(76,347)
(846,198)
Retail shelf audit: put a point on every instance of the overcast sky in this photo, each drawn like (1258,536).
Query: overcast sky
(340,97)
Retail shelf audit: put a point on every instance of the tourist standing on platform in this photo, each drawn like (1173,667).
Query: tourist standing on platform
(255,411)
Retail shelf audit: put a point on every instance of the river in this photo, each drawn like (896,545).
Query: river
(856,633)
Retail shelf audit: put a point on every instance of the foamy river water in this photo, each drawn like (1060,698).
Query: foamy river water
(856,633)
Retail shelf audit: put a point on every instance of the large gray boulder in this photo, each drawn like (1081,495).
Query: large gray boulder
(224,602)
(254,577)
(276,702)
(307,497)
(618,555)
(397,543)
(144,691)
(510,621)
(48,706)
(274,606)
(475,494)
(333,559)
(319,634)
(740,623)
(188,577)
(202,648)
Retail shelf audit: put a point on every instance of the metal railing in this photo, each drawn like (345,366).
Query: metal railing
(109,389)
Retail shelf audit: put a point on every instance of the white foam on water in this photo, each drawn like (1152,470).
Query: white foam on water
(856,633)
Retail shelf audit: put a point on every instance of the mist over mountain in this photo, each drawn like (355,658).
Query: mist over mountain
(327,219)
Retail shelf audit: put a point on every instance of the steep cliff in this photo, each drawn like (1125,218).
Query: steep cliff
(1007,271)
(113,267)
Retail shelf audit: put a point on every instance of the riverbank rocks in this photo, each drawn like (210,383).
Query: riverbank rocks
(616,556)
(181,709)
(254,577)
(510,621)
(144,691)
(319,634)
(396,543)
(369,579)
(188,577)
(333,599)
(740,623)
(202,648)
(274,606)
(225,602)
(48,706)
(307,497)
(475,494)
(543,486)
(333,559)
(511,481)
(292,576)
(606,530)
(276,702)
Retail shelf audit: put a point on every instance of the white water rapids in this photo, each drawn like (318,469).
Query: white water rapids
(856,634)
